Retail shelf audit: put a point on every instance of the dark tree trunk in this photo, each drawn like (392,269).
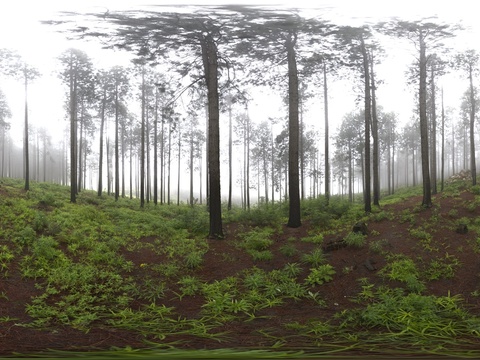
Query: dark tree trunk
(427,192)
(327,140)
(117,165)
(142,141)
(442,175)
(25,139)
(368,116)
(433,160)
(230,165)
(294,219)
(473,166)
(376,160)
(100,158)
(210,63)
(73,138)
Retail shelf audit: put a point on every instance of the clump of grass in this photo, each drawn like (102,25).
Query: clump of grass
(257,243)
(288,250)
(377,246)
(404,270)
(316,257)
(357,240)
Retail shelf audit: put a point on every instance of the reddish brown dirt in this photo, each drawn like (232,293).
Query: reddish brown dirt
(224,259)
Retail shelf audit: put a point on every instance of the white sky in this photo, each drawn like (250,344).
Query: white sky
(20,29)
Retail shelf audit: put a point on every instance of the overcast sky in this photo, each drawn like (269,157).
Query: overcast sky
(40,45)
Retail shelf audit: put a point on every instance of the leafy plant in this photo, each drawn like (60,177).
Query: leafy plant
(443,267)
(404,270)
(357,240)
(320,275)
(316,257)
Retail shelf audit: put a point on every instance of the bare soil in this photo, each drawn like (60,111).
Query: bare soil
(224,259)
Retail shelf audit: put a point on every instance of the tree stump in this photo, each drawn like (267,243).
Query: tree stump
(360,227)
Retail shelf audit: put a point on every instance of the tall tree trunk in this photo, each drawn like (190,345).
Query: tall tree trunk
(117,164)
(327,161)
(162,160)
(155,151)
(368,116)
(230,164)
(142,142)
(433,160)
(294,218)
(376,155)
(442,171)
(80,149)
(25,139)
(169,161)
(210,63)
(73,132)
(427,192)
(179,160)
(191,167)
(473,166)
(100,157)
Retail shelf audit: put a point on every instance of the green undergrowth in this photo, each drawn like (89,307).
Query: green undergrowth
(78,256)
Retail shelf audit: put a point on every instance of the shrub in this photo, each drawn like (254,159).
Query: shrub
(355,240)
(315,258)
(320,275)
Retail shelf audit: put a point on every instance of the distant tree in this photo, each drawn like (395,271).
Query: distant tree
(424,35)
(349,143)
(5,114)
(28,74)
(78,75)
(468,62)
(359,58)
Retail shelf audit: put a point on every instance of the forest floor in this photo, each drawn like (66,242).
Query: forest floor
(357,270)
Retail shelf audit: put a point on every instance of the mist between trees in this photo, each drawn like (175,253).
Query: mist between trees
(175,125)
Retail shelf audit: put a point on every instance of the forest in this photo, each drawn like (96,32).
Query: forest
(169,218)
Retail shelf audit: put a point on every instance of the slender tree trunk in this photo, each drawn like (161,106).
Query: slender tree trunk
(427,192)
(294,219)
(327,161)
(442,175)
(25,139)
(433,160)
(191,166)
(368,116)
(169,161)
(376,155)
(131,165)
(147,152)
(179,160)
(100,157)
(210,62)
(155,152)
(117,164)
(162,155)
(230,164)
(142,142)
(80,150)
(473,166)
(73,139)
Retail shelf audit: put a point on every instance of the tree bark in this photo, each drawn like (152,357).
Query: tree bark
(327,161)
(376,160)
(427,194)
(294,219)
(368,116)
(473,166)
(100,158)
(210,63)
